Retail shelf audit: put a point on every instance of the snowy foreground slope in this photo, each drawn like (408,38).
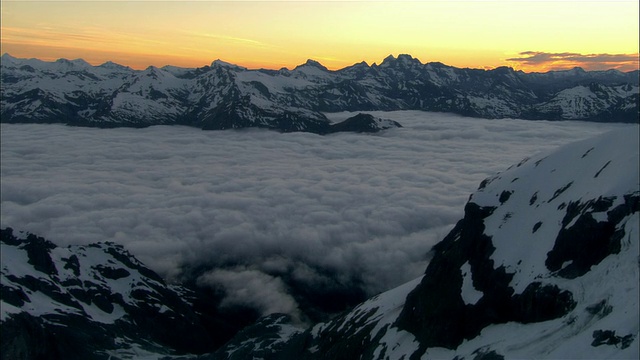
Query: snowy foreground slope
(94,301)
(543,265)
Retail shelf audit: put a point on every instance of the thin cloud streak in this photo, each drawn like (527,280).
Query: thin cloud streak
(96,46)
(232,39)
(94,39)
(537,59)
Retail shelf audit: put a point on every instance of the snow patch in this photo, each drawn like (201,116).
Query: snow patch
(469,294)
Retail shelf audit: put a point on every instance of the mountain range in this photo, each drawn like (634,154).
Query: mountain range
(544,264)
(226,96)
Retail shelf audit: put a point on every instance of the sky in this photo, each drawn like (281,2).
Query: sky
(526,35)
(261,210)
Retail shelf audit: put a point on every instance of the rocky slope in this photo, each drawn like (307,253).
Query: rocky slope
(226,96)
(97,301)
(544,264)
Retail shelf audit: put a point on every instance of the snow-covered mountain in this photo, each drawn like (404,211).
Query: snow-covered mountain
(224,96)
(544,264)
(97,301)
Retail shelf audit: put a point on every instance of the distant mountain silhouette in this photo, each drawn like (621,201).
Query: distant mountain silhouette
(226,96)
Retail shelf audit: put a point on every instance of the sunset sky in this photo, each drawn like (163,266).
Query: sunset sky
(526,35)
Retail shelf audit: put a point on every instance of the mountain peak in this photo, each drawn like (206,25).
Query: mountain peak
(390,58)
(312,63)
(220,63)
(402,59)
(572,72)
(8,59)
(73,63)
(360,67)
(7,56)
(406,57)
(113,66)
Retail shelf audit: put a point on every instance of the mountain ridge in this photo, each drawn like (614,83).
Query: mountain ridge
(86,302)
(223,95)
(310,61)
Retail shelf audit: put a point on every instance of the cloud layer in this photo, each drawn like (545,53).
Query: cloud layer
(264,209)
(567,60)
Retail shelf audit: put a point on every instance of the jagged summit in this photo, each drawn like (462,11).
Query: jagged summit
(312,63)
(114,66)
(221,63)
(578,70)
(7,57)
(74,62)
(389,58)
(401,60)
(361,64)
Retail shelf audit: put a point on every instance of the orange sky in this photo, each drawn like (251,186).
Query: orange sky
(526,35)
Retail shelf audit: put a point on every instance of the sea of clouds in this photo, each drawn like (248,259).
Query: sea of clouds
(260,210)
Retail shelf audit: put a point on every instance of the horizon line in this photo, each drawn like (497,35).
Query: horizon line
(486,68)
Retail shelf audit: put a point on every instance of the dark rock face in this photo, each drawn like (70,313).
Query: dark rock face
(486,355)
(363,123)
(609,337)
(435,311)
(504,196)
(38,252)
(541,302)
(536,227)
(598,238)
(62,337)
(585,230)
(73,264)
